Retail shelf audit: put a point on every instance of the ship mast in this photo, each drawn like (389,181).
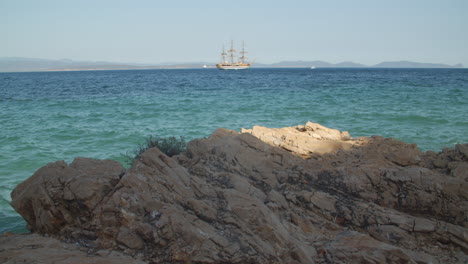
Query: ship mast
(223,55)
(231,52)
(243,52)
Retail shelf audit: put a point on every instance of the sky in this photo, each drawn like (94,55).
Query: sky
(153,31)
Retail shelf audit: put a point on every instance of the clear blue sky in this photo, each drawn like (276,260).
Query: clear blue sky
(146,31)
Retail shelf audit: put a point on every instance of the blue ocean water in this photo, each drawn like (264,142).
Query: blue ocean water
(49,116)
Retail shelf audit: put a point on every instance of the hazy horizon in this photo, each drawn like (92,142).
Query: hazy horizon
(147,32)
(96,62)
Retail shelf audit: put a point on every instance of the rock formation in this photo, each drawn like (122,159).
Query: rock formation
(34,248)
(304,194)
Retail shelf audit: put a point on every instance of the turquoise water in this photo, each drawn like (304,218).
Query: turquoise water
(49,116)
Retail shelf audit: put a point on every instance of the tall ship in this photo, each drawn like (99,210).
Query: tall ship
(233,63)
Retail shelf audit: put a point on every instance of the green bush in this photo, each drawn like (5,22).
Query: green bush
(170,146)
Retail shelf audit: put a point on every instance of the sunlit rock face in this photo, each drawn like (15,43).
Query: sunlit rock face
(305,194)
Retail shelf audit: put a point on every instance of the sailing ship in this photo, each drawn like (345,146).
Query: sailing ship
(233,64)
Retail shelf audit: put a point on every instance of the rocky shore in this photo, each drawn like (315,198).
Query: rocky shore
(305,194)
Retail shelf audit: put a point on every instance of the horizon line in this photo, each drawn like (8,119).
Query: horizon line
(207,62)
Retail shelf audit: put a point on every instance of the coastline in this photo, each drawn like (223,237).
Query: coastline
(18,64)
(214,68)
(304,193)
(103,114)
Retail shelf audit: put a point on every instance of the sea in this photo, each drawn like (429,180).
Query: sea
(50,116)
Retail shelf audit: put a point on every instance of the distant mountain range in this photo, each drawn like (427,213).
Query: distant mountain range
(308,64)
(17,64)
(350,64)
(410,64)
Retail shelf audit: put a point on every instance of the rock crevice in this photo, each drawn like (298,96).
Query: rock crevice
(305,194)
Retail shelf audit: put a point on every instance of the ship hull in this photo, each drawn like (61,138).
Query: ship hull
(233,66)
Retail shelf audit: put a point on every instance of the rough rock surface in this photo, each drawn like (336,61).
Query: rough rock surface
(305,194)
(44,250)
(314,138)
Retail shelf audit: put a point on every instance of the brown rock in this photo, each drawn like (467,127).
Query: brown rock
(130,239)
(58,195)
(32,248)
(353,247)
(460,170)
(462,148)
(262,196)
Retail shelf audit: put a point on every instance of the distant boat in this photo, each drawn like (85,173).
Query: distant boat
(313,67)
(233,64)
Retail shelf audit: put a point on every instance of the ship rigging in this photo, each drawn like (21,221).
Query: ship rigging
(233,64)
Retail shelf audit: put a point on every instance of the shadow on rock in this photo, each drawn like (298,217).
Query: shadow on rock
(305,194)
